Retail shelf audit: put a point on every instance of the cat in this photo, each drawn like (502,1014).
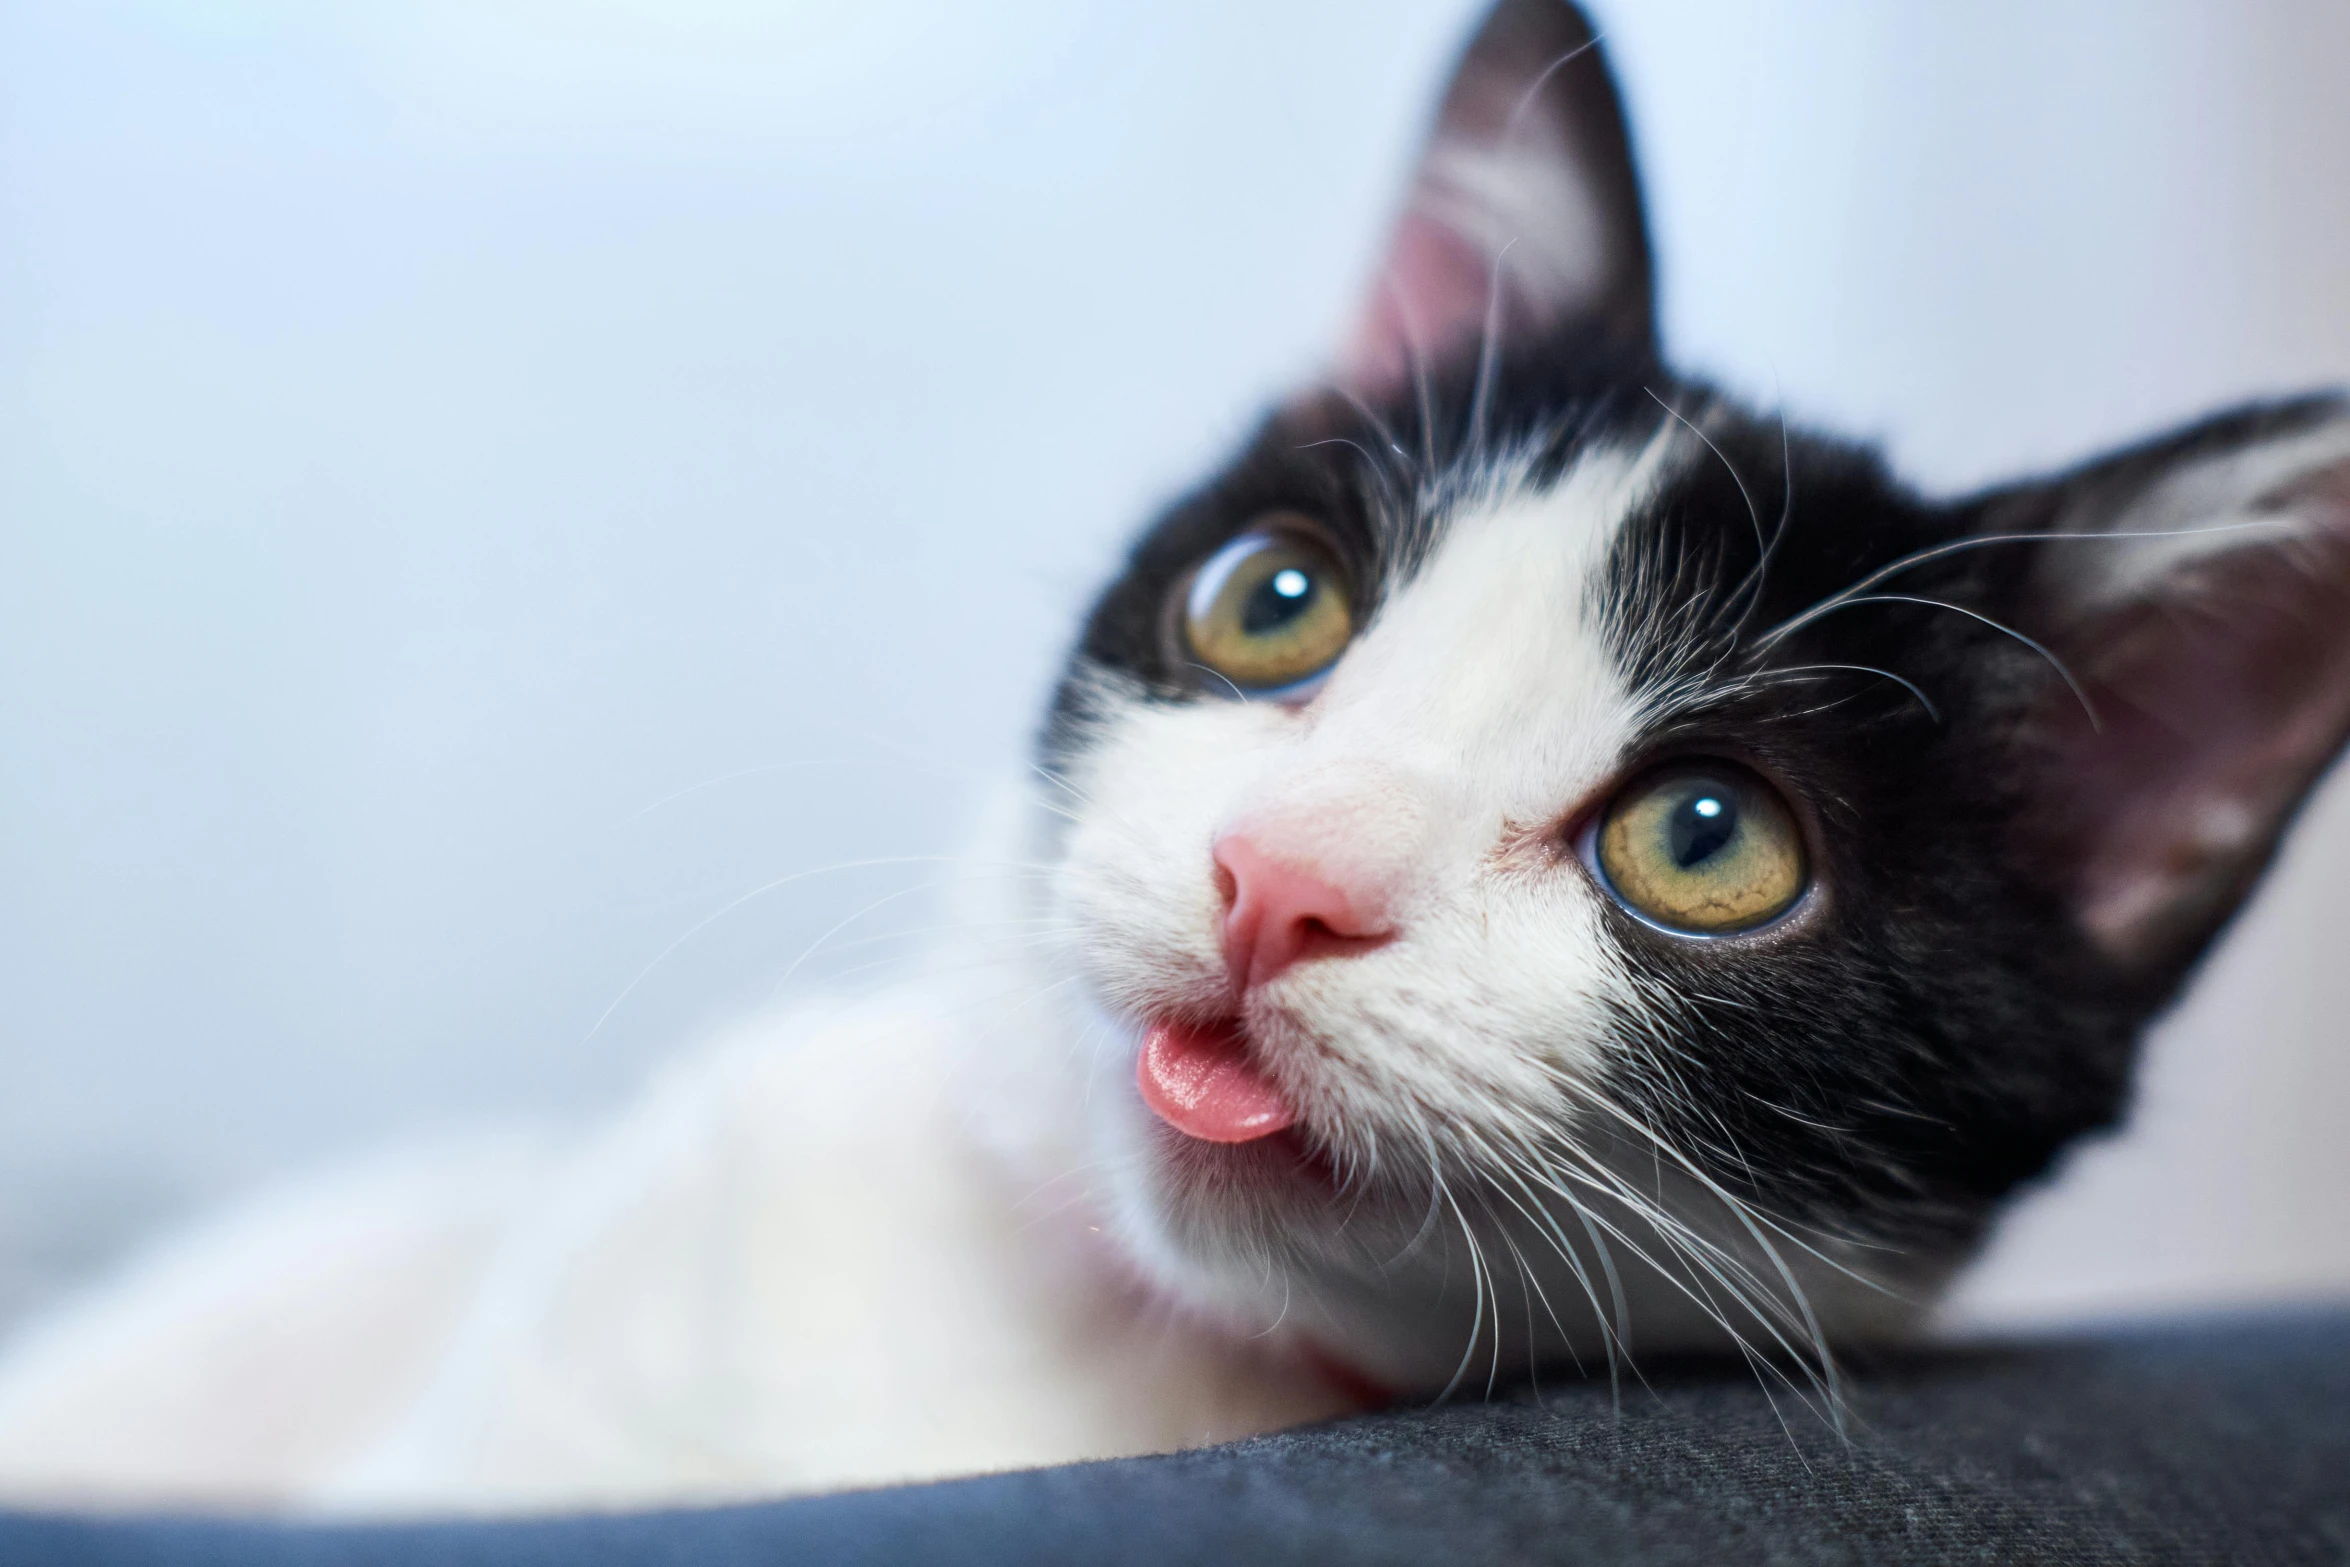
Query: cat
(1532,865)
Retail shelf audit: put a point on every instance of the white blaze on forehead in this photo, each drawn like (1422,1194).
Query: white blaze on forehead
(1491,665)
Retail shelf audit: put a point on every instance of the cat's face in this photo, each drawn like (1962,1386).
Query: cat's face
(1553,857)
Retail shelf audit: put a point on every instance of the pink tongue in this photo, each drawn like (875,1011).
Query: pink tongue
(1201,1083)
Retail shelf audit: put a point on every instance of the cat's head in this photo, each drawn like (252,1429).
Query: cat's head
(1553,855)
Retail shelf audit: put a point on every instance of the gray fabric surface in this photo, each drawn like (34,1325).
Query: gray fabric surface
(2202,1443)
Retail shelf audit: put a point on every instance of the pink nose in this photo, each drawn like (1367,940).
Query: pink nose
(1285,908)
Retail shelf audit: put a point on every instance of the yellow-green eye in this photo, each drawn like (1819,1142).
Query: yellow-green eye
(1705,848)
(1268,610)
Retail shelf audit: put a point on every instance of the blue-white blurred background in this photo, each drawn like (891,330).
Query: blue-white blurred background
(487,484)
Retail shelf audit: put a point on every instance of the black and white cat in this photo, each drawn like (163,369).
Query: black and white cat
(1538,865)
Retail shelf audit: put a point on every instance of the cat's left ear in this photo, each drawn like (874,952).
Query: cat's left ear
(2198,596)
(1524,215)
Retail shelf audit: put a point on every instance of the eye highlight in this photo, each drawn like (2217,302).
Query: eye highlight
(1702,848)
(1269,610)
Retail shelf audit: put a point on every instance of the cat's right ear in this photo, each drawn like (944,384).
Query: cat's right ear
(1524,215)
(2195,595)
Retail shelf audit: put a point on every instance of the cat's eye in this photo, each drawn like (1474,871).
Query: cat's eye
(1270,610)
(1702,848)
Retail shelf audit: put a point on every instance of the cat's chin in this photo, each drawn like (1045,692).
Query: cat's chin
(1376,1271)
(1284,1167)
(1231,1156)
(1386,1267)
(1236,1234)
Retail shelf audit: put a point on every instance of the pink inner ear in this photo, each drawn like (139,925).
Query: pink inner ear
(1433,285)
(1526,174)
(2220,700)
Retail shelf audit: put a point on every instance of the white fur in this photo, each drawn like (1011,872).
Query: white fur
(265,1345)
(788,1268)
(935,1232)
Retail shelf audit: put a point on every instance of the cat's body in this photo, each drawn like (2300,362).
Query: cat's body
(1536,865)
(787,1267)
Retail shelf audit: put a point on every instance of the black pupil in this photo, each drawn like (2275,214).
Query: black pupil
(1701,825)
(1277,601)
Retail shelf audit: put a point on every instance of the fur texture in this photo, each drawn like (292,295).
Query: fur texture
(2037,745)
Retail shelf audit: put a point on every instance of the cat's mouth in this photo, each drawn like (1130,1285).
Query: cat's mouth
(1201,1080)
